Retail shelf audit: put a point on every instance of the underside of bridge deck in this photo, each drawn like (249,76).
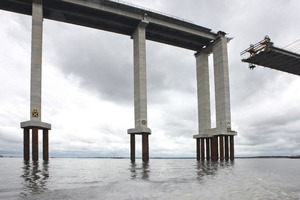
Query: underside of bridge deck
(119,18)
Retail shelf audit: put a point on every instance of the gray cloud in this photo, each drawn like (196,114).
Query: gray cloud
(102,61)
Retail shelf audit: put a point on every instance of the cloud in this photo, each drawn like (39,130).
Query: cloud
(85,53)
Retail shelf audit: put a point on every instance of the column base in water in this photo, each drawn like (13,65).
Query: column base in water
(35,126)
(144,132)
(217,147)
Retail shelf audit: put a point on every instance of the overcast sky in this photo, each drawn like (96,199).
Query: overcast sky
(88,83)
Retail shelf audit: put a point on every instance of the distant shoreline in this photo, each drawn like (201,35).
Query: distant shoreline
(108,157)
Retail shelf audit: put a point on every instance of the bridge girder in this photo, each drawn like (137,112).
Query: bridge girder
(119,18)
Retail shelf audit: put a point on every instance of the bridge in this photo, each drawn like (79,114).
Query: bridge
(140,24)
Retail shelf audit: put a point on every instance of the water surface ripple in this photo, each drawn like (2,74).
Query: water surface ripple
(62,178)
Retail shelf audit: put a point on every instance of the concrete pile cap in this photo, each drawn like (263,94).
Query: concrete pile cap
(35,124)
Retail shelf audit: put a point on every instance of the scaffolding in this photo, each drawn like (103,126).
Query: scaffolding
(265,54)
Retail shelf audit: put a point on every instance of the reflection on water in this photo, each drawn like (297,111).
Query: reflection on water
(211,168)
(158,179)
(35,177)
(168,170)
(140,171)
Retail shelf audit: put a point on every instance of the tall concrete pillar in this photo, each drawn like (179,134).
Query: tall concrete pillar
(222,99)
(35,122)
(140,89)
(203,93)
(140,76)
(222,93)
(222,96)
(204,113)
(36,60)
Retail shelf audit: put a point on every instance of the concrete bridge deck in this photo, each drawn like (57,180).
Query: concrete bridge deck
(119,18)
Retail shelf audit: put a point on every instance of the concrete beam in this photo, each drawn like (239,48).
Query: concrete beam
(120,18)
(215,131)
(144,14)
(37,124)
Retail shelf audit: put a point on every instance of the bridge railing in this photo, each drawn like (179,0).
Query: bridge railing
(152,10)
(258,47)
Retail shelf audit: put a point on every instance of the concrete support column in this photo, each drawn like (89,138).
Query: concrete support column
(226,148)
(202,149)
(222,96)
(140,77)
(36,60)
(35,144)
(45,145)
(215,136)
(217,146)
(36,71)
(207,148)
(214,148)
(221,148)
(35,122)
(204,114)
(198,148)
(132,147)
(231,147)
(140,92)
(26,145)
(145,147)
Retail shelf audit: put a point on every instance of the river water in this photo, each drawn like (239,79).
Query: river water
(85,178)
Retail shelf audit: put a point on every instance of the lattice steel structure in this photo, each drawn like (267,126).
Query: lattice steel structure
(264,53)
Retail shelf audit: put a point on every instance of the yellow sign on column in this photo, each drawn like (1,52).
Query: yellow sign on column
(35,113)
